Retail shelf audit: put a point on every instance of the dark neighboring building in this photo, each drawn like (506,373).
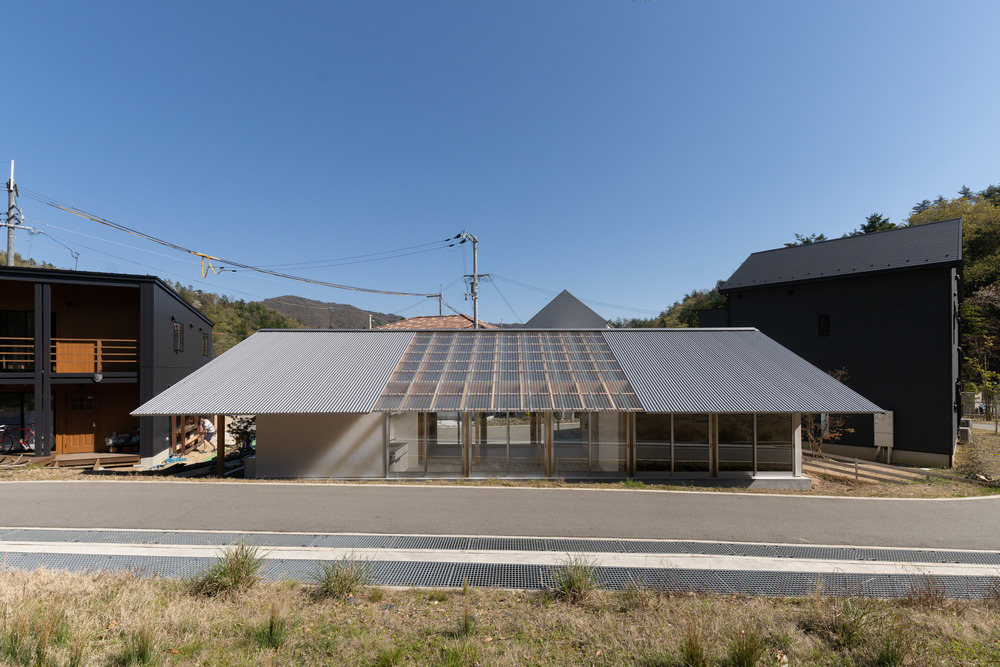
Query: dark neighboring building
(79,351)
(884,306)
(566,312)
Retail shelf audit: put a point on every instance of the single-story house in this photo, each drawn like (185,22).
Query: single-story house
(600,403)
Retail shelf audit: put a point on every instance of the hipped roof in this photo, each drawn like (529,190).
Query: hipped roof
(649,370)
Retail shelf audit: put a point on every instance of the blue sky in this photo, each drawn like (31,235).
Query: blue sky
(626,151)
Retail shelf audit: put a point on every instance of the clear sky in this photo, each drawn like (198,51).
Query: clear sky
(626,151)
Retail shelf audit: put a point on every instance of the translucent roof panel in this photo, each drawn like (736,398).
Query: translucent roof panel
(508,371)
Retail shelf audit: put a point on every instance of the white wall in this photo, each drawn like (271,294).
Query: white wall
(330,445)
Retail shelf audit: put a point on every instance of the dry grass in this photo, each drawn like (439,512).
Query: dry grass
(982,457)
(101,619)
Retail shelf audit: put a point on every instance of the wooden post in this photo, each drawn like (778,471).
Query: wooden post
(548,443)
(220,446)
(173,434)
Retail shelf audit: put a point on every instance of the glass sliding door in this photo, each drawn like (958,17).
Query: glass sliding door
(571,443)
(652,444)
(774,443)
(489,450)
(692,447)
(736,438)
(527,444)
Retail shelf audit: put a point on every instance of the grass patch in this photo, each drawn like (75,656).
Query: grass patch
(235,571)
(747,647)
(271,634)
(575,579)
(139,646)
(126,620)
(340,578)
(693,647)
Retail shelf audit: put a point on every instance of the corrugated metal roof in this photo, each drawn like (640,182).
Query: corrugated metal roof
(725,370)
(655,370)
(508,371)
(294,371)
(892,250)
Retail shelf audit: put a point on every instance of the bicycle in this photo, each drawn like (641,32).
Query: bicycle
(11,443)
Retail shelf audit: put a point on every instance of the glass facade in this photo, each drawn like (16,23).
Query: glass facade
(586,444)
(692,447)
(736,437)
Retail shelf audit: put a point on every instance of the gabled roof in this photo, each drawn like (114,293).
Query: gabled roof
(919,246)
(566,312)
(517,370)
(436,322)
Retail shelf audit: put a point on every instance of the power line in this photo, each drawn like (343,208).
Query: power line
(335,261)
(590,301)
(208,259)
(517,318)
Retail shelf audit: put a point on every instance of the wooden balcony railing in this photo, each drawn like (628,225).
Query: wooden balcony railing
(93,355)
(17,354)
(71,355)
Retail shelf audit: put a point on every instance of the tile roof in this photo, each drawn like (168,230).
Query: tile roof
(436,322)
(653,370)
(919,246)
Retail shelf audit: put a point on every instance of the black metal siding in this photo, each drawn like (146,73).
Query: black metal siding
(894,332)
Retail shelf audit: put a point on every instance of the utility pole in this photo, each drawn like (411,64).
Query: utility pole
(11,215)
(474,278)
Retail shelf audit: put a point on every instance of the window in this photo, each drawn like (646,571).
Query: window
(178,337)
(206,343)
(824,325)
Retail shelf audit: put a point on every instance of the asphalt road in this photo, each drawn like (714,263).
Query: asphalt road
(333,508)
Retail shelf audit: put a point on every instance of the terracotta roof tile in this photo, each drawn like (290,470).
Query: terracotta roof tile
(436,322)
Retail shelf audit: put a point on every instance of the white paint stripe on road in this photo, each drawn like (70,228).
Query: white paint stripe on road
(595,540)
(656,561)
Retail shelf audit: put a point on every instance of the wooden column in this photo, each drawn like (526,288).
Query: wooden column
(548,444)
(173,434)
(220,445)
(465,436)
(713,448)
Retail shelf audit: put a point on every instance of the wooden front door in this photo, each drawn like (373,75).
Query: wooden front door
(80,431)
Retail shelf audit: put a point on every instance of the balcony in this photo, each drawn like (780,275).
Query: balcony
(72,355)
(17,355)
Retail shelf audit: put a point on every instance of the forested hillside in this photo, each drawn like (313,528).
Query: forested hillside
(234,320)
(323,315)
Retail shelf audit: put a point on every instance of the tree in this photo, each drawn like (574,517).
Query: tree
(981,234)
(921,206)
(820,428)
(806,240)
(874,223)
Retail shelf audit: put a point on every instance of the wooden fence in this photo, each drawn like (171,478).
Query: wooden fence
(873,471)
